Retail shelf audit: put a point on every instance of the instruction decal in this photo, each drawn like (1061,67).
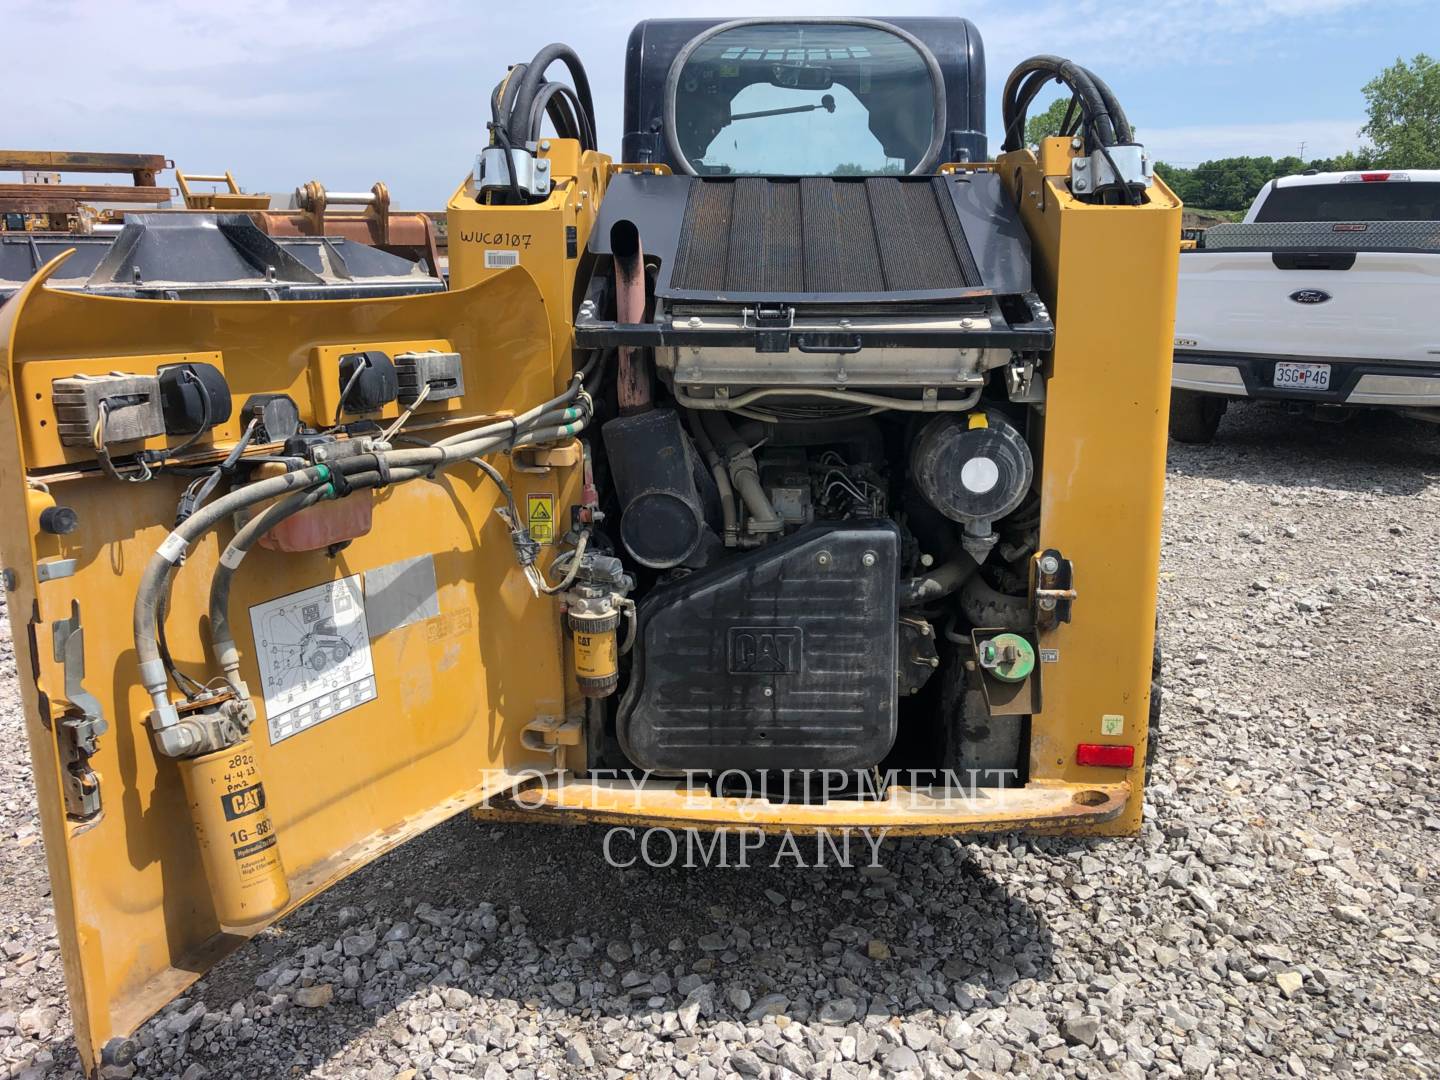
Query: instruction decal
(314,653)
(1111,724)
(540,518)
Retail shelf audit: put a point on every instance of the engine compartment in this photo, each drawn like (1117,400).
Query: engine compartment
(817,590)
(815,469)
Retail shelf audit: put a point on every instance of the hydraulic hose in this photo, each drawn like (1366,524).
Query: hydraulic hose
(536,425)
(1105,119)
(222,642)
(744,473)
(516,110)
(152,580)
(728,511)
(937,583)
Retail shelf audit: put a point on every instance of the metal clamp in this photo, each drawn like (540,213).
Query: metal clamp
(78,734)
(532,174)
(1095,173)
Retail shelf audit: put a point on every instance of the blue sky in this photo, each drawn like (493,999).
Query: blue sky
(283,91)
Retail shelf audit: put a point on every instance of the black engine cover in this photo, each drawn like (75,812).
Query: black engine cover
(781,658)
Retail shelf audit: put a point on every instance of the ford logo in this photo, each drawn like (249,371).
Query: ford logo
(1309,296)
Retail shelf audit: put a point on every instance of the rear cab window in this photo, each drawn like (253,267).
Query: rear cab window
(1353,200)
(806,99)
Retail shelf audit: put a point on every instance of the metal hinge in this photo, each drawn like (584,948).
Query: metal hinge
(1021,382)
(83,722)
(551,734)
(1054,589)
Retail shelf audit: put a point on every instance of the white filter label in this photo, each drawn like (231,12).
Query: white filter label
(314,652)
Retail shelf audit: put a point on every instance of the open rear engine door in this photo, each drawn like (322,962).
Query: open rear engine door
(393,649)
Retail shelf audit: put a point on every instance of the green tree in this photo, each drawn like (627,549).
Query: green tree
(1041,125)
(1404,106)
(1233,183)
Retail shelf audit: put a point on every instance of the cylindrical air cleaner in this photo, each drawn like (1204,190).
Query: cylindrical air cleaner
(973,468)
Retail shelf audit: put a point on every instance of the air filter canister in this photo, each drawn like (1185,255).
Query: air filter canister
(662,521)
(973,468)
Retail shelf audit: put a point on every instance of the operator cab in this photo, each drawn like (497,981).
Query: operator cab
(810,193)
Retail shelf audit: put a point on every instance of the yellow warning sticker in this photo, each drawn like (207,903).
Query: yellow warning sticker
(540,518)
(1110,724)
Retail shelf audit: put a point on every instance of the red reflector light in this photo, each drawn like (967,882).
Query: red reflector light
(1116,757)
(1372,177)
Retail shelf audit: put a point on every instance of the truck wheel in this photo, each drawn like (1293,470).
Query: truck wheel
(1194,418)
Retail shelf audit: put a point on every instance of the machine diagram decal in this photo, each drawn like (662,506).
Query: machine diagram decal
(314,652)
(540,518)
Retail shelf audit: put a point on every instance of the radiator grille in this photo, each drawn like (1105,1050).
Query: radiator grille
(822,235)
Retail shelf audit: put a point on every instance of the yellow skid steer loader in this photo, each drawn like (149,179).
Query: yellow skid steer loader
(801,473)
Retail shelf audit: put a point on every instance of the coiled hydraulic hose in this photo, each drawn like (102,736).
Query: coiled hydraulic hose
(1103,119)
(519,105)
(571,108)
(551,420)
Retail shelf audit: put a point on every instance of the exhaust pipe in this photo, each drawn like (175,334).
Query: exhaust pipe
(635,375)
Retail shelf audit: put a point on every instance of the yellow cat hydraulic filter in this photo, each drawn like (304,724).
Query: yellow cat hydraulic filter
(597,670)
(238,845)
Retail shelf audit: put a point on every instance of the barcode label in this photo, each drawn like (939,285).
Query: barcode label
(498,260)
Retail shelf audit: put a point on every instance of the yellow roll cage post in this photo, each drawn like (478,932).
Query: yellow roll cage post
(471,694)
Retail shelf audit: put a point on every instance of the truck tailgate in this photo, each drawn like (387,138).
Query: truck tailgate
(1242,302)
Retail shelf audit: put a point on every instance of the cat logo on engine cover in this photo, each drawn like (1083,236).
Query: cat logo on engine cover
(764,650)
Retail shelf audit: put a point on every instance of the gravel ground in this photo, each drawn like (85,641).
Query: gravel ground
(1278,915)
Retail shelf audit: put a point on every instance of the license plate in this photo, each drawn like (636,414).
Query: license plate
(1290,376)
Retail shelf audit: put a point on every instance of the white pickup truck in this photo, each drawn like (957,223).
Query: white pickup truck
(1327,294)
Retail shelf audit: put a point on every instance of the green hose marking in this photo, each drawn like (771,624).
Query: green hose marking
(328,491)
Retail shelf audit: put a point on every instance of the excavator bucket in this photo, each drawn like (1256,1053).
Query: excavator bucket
(395,649)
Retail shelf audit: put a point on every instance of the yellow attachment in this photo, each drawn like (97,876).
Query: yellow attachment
(453,688)
(232,198)
(979,420)
(238,844)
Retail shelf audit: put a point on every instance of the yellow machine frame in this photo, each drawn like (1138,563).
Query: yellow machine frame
(476,702)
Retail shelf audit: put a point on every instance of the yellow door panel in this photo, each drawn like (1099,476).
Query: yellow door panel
(428,697)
